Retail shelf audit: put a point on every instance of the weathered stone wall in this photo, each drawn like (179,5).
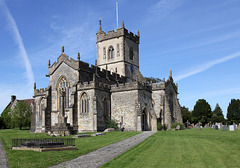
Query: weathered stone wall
(146,104)
(86,121)
(71,76)
(103,114)
(123,108)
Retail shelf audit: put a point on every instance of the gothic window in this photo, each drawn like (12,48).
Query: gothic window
(131,53)
(104,52)
(110,52)
(84,104)
(118,50)
(63,85)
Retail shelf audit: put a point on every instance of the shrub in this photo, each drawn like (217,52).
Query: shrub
(112,124)
(161,127)
(174,125)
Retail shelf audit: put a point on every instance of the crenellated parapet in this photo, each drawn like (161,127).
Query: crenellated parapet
(121,32)
(130,86)
(159,86)
(93,85)
(41,92)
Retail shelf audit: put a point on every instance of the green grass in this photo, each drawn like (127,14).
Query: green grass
(25,159)
(187,148)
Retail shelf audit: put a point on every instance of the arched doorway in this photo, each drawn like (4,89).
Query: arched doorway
(144,120)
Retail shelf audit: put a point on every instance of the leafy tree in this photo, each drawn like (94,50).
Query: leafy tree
(233,111)
(202,111)
(1,123)
(186,114)
(217,115)
(154,80)
(22,115)
(6,118)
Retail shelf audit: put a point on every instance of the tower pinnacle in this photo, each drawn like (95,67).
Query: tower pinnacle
(100,24)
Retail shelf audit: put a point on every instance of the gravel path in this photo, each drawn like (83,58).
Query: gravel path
(103,155)
(3,157)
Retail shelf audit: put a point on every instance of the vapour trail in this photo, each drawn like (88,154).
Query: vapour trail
(18,39)
(206,66)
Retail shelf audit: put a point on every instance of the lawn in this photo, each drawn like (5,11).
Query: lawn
(25,159)
(187,148)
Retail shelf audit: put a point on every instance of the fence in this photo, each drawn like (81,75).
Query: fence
(43,142)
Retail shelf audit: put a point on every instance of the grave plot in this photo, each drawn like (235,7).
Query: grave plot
(44,144)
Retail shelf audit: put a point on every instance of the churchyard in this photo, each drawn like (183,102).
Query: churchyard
(206,147)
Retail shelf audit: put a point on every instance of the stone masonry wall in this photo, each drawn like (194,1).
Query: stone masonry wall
(123,108)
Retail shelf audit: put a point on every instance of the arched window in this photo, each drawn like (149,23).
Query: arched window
(63,85)
(131,53)
(84,103)
(110,52)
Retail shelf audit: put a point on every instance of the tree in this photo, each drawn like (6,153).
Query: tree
(1,123)
(186,114)
(6,118)
(233,111)
(154,80)
(21,115)
(202,111)
(217,115)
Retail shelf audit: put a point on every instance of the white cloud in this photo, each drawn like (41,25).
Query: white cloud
(18,39)
(206,66)
(162,8)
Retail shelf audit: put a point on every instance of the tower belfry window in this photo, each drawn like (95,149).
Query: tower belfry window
(110,52)
(131,53)
(118,50)
(104,52)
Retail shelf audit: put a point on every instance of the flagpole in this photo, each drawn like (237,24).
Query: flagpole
(117,12)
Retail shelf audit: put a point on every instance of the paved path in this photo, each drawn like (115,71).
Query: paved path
(103,155)
(3,157)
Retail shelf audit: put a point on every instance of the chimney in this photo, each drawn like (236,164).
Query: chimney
(13,98)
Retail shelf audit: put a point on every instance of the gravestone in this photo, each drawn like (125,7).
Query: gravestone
(216,127)
(178,127)
(235,126)
(238,128)
(224,127)
(213,126)
(231,128)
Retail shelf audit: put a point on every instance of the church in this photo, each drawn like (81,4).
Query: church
(82,98)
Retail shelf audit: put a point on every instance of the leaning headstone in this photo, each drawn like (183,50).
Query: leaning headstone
(224,127)
(231,128)
(109,130)
(216,127)
(178,127)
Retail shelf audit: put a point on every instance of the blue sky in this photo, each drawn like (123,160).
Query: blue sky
(198,40)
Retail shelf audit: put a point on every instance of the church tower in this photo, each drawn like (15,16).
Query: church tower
(118,51)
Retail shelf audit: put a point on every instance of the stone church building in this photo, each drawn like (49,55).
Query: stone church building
(81,98)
